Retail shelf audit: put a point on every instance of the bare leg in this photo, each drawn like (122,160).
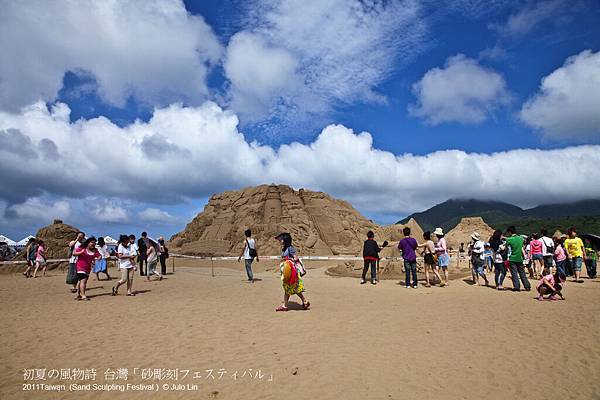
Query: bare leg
(44,269)
(436,272)
(286,298)
(37,266)
(445,276)
(82,286)
(426,267)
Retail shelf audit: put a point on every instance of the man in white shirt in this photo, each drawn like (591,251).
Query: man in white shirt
(249,253)
(547,251)
(477,248)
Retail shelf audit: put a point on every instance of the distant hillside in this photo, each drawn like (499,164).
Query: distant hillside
(585,215)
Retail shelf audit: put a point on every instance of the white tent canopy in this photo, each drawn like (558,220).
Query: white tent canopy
(109,240)
(23,242)
(7,240)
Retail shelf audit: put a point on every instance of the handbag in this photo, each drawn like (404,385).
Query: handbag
(251,252)
(71,275)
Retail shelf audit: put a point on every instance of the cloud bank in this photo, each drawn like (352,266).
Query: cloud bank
(198,151)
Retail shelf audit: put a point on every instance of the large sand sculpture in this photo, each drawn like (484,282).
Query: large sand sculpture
(319,223)
(465,228)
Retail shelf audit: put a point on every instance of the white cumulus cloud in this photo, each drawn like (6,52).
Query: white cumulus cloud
(567,103)
(462,91)
(153,50)
(152,214)
(186,153)
(36,209)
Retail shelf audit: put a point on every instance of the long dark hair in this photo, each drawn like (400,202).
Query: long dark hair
(88,241)
(287,240)
(101,241)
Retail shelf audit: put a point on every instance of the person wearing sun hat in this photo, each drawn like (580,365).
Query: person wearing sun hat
(476,249)
(441,251)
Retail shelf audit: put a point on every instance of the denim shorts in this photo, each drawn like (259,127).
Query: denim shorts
(537,256)
(443,260)
(576,262)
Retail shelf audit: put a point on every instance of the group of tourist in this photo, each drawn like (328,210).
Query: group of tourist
(91,255)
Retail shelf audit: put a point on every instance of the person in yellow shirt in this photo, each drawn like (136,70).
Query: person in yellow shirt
(575,253)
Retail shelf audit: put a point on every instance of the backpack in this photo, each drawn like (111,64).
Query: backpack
(549,249)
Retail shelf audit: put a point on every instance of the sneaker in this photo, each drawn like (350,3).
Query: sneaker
(414,287)
(408,287)
(374,282)
(362,281)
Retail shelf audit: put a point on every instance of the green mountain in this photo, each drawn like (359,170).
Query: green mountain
(585,215)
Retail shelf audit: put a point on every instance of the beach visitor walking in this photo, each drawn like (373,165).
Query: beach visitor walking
(40,258)
(72,272)
(488,257)
(152,260)
(560,255)
(537,248)
(292,271)
(126,257)
(86,254)
(142,249)
(575,253)
(429,259)
(102,264)
(163,255)
(370,257)
(476,250)
(30,255)
(250,252)
(408,245)
(549,253)
(590,258)
(498,246)
(441,250)
(514,244)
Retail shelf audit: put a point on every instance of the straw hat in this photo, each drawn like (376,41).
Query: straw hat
(475,236)
(438,231)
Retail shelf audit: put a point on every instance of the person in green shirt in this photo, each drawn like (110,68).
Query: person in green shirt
(590,258)
(514,244)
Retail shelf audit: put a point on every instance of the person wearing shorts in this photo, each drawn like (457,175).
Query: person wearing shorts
(87,254)
(126,256)
(441,250)
(575,253)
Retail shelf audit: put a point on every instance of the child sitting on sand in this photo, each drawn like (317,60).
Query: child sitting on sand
(551,285)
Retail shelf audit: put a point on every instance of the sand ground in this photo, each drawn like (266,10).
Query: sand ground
(357,341)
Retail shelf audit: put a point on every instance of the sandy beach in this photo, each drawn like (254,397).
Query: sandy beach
(357,342)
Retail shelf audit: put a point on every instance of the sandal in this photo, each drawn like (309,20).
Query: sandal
(306,306)
(73,290)
(281,308)
(85,299)
(114,291)
(130,294)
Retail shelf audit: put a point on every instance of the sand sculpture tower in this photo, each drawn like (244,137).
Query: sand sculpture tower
(272,210)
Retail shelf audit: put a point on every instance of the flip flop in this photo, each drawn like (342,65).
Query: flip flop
(281,308)
(130,294)
(306,306)
(73,290)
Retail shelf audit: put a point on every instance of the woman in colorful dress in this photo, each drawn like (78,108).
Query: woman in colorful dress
(101,265)
(294,285)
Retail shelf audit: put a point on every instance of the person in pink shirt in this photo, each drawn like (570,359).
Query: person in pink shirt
(87,254)
(560,255)
(537,250)
(551,285)
(40,258)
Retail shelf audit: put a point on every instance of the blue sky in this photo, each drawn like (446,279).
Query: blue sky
(131,118)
